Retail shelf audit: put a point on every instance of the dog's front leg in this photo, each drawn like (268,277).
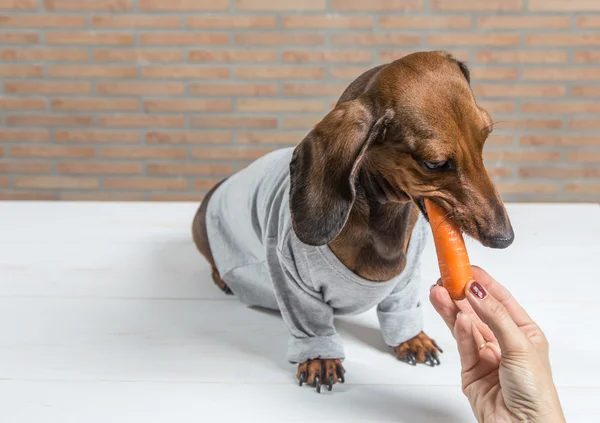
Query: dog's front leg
(401,321)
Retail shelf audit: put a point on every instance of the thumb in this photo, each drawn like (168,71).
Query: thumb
(494,314)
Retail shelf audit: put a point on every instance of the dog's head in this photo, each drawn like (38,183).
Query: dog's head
(402,132)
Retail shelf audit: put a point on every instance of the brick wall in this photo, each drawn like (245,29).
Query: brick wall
(159,99)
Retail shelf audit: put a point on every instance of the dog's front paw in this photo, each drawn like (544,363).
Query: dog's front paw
(321,371)
(420,349)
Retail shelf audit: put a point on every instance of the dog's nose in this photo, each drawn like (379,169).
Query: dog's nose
(500,240)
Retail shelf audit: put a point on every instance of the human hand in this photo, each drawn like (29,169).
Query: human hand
(506,371)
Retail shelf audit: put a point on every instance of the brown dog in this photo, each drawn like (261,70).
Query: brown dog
(400,133)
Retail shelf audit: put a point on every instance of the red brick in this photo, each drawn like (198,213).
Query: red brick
(231,21)
(270,5)
(585,90)
(232,55)
(91,71)
(52,151)
(592,21)
(278,38)
(526,188)
(521,56)
(205,184)
(561,140)
(563,39)
(562,107)
(360,39)
(44,55)
(26,195)
(469,6)
(278,105)
(529,124)
(313,89)
(19,38)
(227,122)
(184,5)
(327,22)
(140,88)
(136,21)
(474,39)
(348,72)
(145,183)
(350,56)
(516,90)
(521,156)
(105,104)
(497,140)
(376,5)
(20,71)
(146,120)
(562,6)
(418,22)
(583,156)
(494,73)
(186,105)
(104,168)
(190,169)
(3,181)
(584,124)
(498,106)
(270,137)
(230,153)
(143,153)
(18,4)
(560,74)
(109,5)
(176,72)
(499,172)
(172,197)
(96,135)
(586,56)
(233,89)
(20,103)
(28,135)
(48,120)
(188,137)
(559,172)
(300,122)
(25,167)
(183,38)
(89,38)
(49,182)
(101,196)
(48,88)
(137,56)
(41,21)
(278,72)
(583,188)
(525,22)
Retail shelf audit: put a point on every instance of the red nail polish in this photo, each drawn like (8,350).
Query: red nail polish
(478,290)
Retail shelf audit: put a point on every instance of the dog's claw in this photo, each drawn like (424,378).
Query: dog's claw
(437,346)
(228,291)
(340,373)
(330,384)
(435,358)
(302,378)
(429,360)
(318,384)
(411,359)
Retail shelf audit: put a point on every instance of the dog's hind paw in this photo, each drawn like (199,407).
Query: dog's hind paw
(220,282)
(320,372)
(420,349)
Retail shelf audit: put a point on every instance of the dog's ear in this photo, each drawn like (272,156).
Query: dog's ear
(324,168)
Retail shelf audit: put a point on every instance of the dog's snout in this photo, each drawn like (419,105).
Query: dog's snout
(500,233)
(503,240)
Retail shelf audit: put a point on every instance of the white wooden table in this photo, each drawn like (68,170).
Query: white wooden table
(109,314)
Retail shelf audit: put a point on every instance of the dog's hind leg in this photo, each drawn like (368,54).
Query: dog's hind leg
(201,239)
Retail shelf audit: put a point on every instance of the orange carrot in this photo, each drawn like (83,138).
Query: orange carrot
(451,252)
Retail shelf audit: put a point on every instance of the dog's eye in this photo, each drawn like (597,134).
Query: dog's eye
(435,165)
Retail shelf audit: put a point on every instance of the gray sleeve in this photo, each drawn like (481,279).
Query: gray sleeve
(308,317)
(400,314)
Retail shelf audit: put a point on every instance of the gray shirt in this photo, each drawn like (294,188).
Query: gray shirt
(259,256)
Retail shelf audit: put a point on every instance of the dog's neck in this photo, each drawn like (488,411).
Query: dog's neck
(374,241)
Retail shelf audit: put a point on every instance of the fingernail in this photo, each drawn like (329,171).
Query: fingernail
(439,282)
(432,286)
(477,290)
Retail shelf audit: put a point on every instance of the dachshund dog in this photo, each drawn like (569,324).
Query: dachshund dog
(336,225)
